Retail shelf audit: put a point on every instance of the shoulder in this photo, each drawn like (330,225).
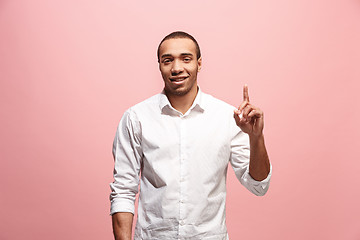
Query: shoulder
(145,107)
(150,102)
(221,112)
(216,104)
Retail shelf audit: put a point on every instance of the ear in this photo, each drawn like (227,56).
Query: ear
(199,64)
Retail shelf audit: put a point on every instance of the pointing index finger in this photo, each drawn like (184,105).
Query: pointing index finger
(246,93)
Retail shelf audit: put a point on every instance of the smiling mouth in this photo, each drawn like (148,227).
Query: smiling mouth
(178,79)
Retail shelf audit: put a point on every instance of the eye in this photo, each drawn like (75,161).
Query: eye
(187,59)
(166,60)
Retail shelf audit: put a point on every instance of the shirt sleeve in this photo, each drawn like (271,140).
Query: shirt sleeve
(240,159)
(127,157)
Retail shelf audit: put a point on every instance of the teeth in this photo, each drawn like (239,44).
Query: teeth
(178,79)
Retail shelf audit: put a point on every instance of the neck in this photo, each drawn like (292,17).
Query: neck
(183,103)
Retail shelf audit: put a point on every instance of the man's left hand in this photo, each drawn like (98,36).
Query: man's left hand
(248,117)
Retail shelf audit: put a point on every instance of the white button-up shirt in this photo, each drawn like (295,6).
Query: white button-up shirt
(183,161)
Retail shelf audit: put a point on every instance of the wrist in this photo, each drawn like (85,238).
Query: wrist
(256,137)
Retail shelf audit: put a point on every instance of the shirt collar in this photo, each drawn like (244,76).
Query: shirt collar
(198,103)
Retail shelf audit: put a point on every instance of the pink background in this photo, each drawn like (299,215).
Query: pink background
(70,68)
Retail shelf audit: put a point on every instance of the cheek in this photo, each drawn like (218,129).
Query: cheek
(163,71)
(164,76)
(193,69)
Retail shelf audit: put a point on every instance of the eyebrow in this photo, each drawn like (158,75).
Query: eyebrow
(182,54)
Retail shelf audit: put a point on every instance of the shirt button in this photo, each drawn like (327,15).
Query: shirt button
(182,222)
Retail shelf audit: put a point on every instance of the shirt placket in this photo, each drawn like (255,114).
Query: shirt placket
(182,200)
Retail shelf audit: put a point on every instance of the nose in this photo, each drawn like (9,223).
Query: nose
(176,68)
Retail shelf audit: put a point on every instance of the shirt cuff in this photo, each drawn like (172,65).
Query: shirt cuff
(122,205)
(257,187)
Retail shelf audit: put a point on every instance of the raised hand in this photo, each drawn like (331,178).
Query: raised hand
(248,117)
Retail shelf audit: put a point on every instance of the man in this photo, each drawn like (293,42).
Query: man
(181,142)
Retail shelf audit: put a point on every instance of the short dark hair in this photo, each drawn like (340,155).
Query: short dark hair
(180,34)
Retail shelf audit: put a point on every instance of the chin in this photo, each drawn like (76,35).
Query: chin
(178,92)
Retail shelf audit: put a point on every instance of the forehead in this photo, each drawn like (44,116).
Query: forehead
(177,46)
